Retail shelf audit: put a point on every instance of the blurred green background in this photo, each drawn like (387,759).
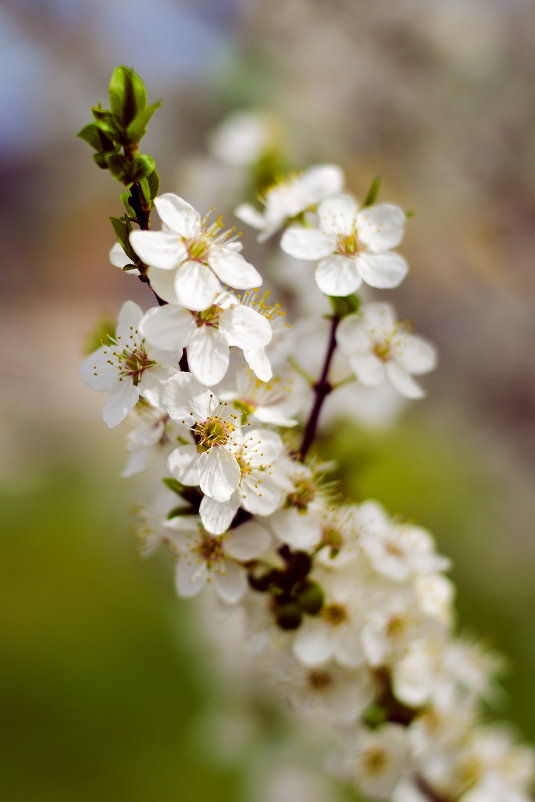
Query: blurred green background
(99,683)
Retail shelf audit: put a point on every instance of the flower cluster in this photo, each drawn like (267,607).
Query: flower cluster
(345,611)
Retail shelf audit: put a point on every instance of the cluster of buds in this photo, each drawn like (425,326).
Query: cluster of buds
(345,611)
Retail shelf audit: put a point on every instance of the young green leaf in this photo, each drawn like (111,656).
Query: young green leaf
(122,228)
(373,191)
(136,129)
(154,184)
(119,167)
(107,123)
(91,134)
(127,95)
(141,167)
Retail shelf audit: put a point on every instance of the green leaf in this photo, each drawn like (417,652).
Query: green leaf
(122,230)
(141,167)
(90,133)
(177,511)
(127,95)
(119,167)
(108,124)
(372,192)
(102,160)
(136,129)
(125,200)
(154,184)
(173,484)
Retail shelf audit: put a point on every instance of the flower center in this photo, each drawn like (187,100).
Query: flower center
(392,549)
(198,249)
(208,317)
(382,350)
(303,494)
(334,614)
(395,627)
(134,363)
(349,244)
(213,432)
(332,538)
(210,549)
(319,680)
(375,760)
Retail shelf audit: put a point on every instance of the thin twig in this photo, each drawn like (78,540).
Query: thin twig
(322,388)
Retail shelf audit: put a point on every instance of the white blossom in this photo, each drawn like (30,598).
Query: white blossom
(195,256)
(257,491)
(353,244)
(127,368)
(209,334)
(380,348)
(289,198)
(203,557)
(380,760)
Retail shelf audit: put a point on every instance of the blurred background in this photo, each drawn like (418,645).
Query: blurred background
(100,690)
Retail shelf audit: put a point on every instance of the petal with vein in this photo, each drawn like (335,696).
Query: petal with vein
(158,248)
(337,275)
(196,286)
(208,355)
(306,243)
(178,215)
(219,473)
(382,270)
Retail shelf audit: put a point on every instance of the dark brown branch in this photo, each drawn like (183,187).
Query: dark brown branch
(322,388)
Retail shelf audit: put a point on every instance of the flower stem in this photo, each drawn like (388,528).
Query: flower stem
(322,388)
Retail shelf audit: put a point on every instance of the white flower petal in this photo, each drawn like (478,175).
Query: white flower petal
(305,243)
(96,371)
(183,397)
(219,473)
(259,363)
(351,334)
(196,286)
(260,494)
(121,399)
(168,327)
(158,248)
(250,216)
(163,284)
(348,649)
(337,215)
(208,355)
(244,327)
(337,275)
(216,516)
(190,576)
(230,581)
(321,181)
(403,381)
(128,320)
(136,463)
(381,227)
(379,319)
(178,215)
(183,463)
(414,353)
(313,645)
(232,268)
(118,258)
(263,446)
(247,541)
(382,270)
(368,368)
